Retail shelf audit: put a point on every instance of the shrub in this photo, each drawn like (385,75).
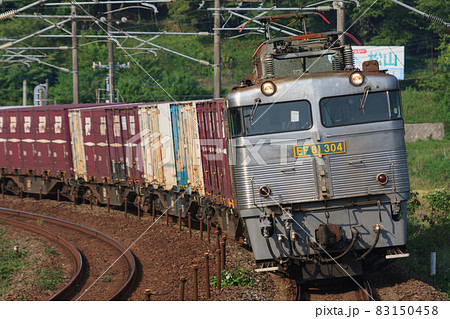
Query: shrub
(234,277)
(439,204)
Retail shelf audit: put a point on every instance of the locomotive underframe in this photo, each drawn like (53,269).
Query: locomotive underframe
(283,236)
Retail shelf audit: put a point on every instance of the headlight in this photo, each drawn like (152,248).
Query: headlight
(357,78)
(268,88)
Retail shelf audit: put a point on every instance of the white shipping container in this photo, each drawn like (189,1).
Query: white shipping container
(156,145)
(77,144)
(190,141)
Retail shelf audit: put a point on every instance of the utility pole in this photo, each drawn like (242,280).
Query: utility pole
(110,54)
(46,91)
(340,18)
(217,58)
(75,56)
(24,95)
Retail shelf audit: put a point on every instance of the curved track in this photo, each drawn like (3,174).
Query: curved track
(69,291)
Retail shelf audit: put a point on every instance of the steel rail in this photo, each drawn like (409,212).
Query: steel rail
(363,292)
(67,291)
(125,252)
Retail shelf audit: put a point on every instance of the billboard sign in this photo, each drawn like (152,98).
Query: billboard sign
(391,58)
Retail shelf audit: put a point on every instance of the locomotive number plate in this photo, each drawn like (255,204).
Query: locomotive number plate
(319,149)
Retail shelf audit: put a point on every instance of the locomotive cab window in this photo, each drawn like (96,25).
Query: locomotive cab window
(270,118)
(277,117)
(395,105)
(235,121)
(360,108)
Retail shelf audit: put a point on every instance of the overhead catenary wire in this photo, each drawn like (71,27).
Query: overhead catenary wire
(56,25)
(13,12)
(32,58)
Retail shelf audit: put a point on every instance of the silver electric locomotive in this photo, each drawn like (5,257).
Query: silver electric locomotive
(318,158)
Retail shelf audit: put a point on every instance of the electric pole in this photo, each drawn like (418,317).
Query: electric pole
(217,59)
(340,18)
(24,94)
(110,54)
(75,56)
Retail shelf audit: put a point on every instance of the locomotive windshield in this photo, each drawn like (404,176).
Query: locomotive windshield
(270,118)
(361,108)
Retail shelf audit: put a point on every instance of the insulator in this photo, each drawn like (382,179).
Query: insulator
(336,62)
(269,67)
(8,14)
(348,57)
(438,20)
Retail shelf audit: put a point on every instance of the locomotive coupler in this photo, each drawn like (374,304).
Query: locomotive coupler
(395,209)
(287,218)
(266,224)
(328,235)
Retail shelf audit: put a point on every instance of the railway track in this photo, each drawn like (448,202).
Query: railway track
(345,289)
(91,252)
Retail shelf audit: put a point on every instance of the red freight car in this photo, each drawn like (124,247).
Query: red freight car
(213,148)
(36,143)
(105,142)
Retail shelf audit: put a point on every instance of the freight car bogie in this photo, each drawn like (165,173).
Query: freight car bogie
(106,194)
(31,184)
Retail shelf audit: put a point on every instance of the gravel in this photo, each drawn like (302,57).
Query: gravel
(167,254)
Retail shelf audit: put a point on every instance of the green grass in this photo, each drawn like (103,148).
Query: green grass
(428,232)
(425,106)
(429,164)
(233,277)
(108,277)
(428,224)
(10,262)
(51,251)
(48,279)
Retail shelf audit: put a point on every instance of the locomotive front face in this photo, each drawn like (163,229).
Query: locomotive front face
(319,164)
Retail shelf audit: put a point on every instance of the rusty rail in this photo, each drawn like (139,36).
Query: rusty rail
(131,261)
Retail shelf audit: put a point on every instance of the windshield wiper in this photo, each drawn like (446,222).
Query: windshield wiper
(364,99)
(253,111)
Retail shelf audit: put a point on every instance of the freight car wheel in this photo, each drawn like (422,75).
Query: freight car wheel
(12,187)
(90,197)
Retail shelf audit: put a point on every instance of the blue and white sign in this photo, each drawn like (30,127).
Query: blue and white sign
(391,58)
